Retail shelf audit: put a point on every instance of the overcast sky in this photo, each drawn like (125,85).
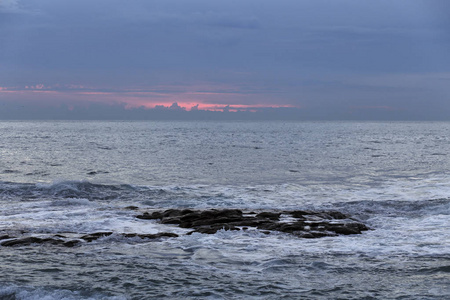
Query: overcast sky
(336,59)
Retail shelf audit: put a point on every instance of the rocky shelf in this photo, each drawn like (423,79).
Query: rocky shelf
(300,223)
(304,224)
(58,239)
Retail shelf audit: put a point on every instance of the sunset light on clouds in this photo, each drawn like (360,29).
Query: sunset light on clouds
(323,58)
(190,97)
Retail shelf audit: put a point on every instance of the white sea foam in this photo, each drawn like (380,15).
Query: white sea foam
(30,293)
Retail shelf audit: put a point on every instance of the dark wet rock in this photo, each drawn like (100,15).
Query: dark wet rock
(301,223)
(22,241)
(312,234)
(283,227)
(211,229)
(337,215)
(147,216)
(63,241)
(190,219)
(151,236)
(171,220)
(132,207)
(94,236)
(36,240)
(170,215)
(269,215)
(5,236)
(348,228)
(298,213)
(329,215)
(71,243)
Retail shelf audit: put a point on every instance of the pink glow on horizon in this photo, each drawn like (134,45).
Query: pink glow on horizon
(207,106)
(201,97)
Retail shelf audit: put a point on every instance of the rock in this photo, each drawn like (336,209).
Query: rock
(173,213)
(348,228)
(269,215)
(337,215)
(211,229)
(299,223)
(5,236)
(147,216)
(151,236)
(170,215)
(298,213)
(186,211)
(94,236)
(171,220)
(284,227)
(22,241)
(158,235)
(33,240)
(307,224)
(132,207)
(71,243)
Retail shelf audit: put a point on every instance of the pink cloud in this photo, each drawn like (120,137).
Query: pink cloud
(201,96)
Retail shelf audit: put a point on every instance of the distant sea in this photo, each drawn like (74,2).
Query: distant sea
(68,178)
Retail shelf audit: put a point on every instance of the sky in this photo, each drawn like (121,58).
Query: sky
(300,59)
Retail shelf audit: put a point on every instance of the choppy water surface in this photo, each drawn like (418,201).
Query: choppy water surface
(79,177)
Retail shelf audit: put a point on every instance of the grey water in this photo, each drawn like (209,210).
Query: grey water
(79,177)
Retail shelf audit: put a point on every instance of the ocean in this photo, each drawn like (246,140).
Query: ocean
(70,178)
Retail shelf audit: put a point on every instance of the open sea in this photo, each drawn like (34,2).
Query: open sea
(73,178)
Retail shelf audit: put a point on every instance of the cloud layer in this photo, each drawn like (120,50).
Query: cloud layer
(328,58)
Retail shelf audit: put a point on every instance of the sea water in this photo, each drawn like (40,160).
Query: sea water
(73,178)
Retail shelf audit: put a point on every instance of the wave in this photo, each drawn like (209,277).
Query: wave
(30,293)
(396,208)
(256,197)
(73,189)
(157,197)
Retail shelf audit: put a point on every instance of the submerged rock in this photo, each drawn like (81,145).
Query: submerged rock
(299,223)
(4,237)
(132,207)
(151,236)
(36,240)
(94,236)
(63,241)
(305,224)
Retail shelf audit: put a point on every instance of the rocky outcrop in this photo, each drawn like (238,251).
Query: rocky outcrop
(300,223)
(94,236)
(151,236)
(63,241)
(4,236)
(305,224)
(37,240)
